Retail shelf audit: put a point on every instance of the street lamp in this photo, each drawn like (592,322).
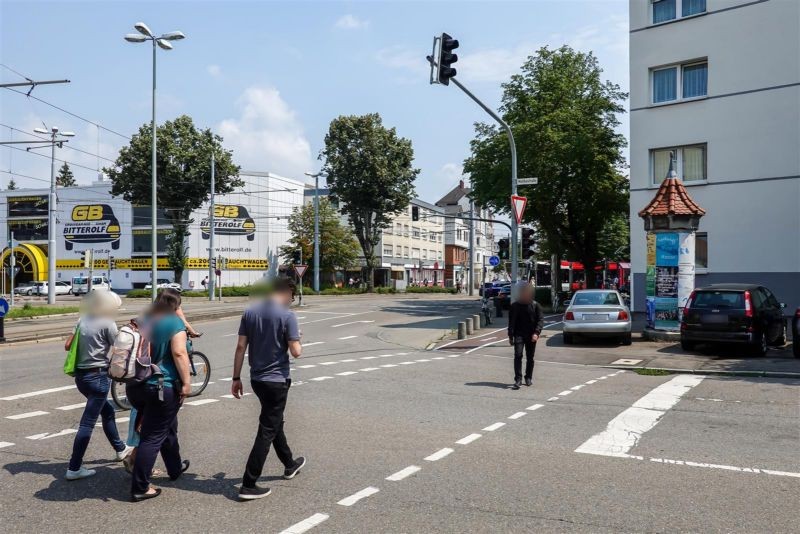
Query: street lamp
(315,176)
(162,42)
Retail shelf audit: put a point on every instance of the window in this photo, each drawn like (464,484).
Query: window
(405,252)
(388,250)
(432,236)
(424,253)
(663,10)
(424,234)
(415,253)
(439,254)
(398,229)
(405,226)
(693,7)
(691,78)
(690,163)
(701,250)
(415,232)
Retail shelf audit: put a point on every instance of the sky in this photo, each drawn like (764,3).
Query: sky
(270,76)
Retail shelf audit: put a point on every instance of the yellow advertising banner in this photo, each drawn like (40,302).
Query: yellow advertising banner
(233,264)
(143,264)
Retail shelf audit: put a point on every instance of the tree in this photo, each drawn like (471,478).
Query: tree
(12,185)
(184,176)
(369,171)
(338,248)
(65,177)
(563,118)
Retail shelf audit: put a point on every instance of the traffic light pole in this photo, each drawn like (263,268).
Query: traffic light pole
(470,273)
(211,274)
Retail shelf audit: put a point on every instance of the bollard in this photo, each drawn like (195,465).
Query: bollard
(468,322)
(476,322)
(461,330)
(498,308)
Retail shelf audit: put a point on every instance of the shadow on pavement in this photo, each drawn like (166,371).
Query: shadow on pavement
(498,385)
(107,485)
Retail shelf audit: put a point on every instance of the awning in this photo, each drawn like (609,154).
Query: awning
(398,269)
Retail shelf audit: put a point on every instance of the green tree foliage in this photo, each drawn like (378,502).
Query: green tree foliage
(184,176)
(338,248)
(615,238)
(12,185)
(65,178)
(563,117)
(370,172)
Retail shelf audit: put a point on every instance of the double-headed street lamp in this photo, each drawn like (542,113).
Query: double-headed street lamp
(315,176)
(163,42)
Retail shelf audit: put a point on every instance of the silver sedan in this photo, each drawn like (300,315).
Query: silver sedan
(597,313)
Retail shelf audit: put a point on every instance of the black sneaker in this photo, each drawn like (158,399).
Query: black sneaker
(290,472)
(528,381)
(517,383)
(251,494)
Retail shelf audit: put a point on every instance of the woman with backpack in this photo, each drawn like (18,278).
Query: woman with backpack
(159,398)
(95,334)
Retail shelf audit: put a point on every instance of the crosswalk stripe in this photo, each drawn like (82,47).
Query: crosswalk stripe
(306,524)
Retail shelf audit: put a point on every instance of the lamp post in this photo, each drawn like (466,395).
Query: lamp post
(163,42)
(316,176)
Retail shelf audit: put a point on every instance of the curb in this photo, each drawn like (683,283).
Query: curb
(710,372)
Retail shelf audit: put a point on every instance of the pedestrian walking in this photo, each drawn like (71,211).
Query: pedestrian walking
(96,332)
(204,283)
(525,321)
(158,400)
(269,332)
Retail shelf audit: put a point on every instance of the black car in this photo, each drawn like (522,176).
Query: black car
(733,313)
(796,333)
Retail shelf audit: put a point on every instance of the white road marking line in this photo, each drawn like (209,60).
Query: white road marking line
(4,444)
(351,322)
(230,378)
(347,373)
(201,402)
(369,369)
(357,496)
(403,473)
(468,439)
(313,343)
(72,406)
(346,337)
(688,463)
(306,524)
(588,382)
(517,415)
(602,377)
(363,357)
(321,378)
(579,386)
(303,317)
(438,358)
(229,335)
(35,393)
(625,361)
(48,435)
(421,361)
(624,431)
(564,393)
(454,355)
(118,420)
(438,455)
(551,399)
(554,324)
(229,396)
(200,383)
(328,363)
(493,427)
(26,415)
(403,353)
(389,365)
(484,346)
(534,407)
(310,365)
(407,363)
(387,355)
(347,361)
(469,338)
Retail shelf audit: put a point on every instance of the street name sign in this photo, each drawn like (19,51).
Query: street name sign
(527,181)
(518,204)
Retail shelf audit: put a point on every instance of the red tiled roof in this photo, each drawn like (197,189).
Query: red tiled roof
(672,199)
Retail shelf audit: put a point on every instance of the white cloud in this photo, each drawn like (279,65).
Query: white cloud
(214,70)
(450,173)
(351,22)
(267,136)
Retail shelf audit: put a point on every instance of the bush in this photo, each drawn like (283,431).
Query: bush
(431,289)
(342,291)
(254,290)
(28,310)
(385,290)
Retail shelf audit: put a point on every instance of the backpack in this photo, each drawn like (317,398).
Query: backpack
(129,357)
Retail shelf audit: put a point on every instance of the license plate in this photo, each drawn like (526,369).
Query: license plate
(595,317)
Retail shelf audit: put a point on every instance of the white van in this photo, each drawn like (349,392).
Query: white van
(80,284)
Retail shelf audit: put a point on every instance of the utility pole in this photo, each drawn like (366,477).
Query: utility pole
(470,274)
(12,262)
(211,273)
(316,176)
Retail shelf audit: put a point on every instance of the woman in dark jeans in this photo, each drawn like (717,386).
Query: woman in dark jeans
(158,407)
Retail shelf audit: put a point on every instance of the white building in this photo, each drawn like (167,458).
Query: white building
(718,82)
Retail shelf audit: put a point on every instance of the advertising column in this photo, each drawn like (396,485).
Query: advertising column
(666,281)
(650,280)
(685,269)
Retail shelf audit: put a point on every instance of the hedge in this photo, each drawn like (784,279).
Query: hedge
(431,289)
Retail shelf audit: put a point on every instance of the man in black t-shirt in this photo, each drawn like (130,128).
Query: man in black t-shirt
(525,321)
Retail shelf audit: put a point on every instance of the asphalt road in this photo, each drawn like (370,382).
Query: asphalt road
(399,439)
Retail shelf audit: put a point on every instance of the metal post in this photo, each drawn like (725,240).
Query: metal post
(91,271)
(300,278)
(12,262)
(154,193)
(316,235)
(470,273)
(211,275)
(51,225)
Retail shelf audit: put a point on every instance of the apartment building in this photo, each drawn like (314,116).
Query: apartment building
(717,84)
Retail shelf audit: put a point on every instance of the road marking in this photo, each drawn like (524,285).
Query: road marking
(534,407)
(554,324)
(438,358)
(625,361)
(466,440)
(357,496)
(313,343)
(579,386)
(493,427)
(201,402)
(551,399)
(688,463)
(469,338)
(421,361)
(72,406)
(35,393)
(484,346)
(590,382)
(309,366)
(328,363)
(200,383)
(369,369)
(406,363)
(298,318)
(564,393)
(321,378)
(230,378)
(4,444)
(306,524)
(363,357)
(624,431)
(351,322)
(438,455)
(602,377)
(346,337)
(347,361)
(347,373)
(48,435)
(403,473)
(454,355)
(517,415)
(389,365)
(119,420)
(230,335)
(401,354)
(26,415)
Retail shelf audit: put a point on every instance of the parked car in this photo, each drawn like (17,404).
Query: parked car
(62,288)
(746,314)
(504,296)
(491,289)
(796,333)
(80,284)
(26,288)
(597,313)
(163,283)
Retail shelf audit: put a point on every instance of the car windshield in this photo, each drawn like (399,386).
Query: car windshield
(718,299)
(595,298)
(82,280)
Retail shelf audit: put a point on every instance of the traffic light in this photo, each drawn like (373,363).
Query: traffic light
(213,263)
(87,257)
(224,262)
(527,243)
(447,58)
(414,213)
(502,246)
(112,263)
(296,256)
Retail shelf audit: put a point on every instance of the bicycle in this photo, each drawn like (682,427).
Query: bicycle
(199,367)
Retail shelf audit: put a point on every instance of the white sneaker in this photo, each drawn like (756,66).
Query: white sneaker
(80,473)
(121,455)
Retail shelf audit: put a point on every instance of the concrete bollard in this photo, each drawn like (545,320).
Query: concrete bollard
(468,322)
(462,328)
(498,308)
(476,322)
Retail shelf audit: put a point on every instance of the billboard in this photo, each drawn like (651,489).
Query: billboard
(92,219)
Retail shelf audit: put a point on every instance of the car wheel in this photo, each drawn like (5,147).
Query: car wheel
(567,339)
(627,339)
(759,347)
(688,345)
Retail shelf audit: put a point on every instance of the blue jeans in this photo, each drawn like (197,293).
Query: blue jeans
(94,385)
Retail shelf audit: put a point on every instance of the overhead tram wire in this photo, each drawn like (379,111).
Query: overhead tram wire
(65,146)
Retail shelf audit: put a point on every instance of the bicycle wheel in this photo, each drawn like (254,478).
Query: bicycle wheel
(200,372)
(120,396)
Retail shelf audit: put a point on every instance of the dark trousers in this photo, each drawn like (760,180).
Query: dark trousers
(272,396)
(94,384)
(523,344)
(159,433)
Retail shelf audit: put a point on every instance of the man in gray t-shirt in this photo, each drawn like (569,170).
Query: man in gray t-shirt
(271,333)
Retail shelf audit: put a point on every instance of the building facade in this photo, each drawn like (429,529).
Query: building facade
(250,225)
(716,83)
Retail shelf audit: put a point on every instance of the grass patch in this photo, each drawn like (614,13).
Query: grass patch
(36,311)
(652,372)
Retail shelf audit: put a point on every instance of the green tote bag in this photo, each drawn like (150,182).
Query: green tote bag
(72,353)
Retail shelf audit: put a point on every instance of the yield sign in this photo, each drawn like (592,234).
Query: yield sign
(300,270)
(518,204)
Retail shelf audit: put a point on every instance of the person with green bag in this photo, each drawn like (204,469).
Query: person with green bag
(90,344)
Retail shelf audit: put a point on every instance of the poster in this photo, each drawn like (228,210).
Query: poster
(667,249)
(665,294)
(666,311)
(666,282)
